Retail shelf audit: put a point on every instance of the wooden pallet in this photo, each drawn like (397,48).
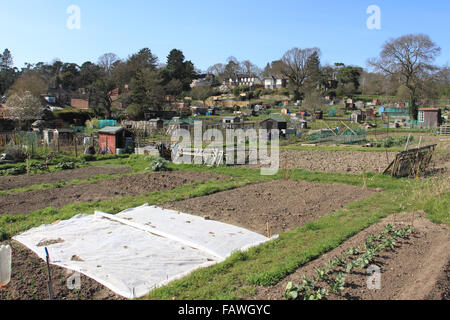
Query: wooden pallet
(445,129)
(208,156)
(411,163)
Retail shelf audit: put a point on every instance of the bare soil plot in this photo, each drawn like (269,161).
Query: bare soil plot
(104,190)
(13,182)
(418,269)
(29,281)
(354,162)
(443,142)
(284,204)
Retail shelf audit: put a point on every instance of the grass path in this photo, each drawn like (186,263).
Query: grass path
(270,263)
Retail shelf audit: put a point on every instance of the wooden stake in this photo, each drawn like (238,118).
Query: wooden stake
(269,234)
(76,151)
(417,160)
(379,162)
(407,142)
(50,289)
(349,128)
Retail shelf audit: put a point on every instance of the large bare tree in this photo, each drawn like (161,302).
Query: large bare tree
(409,58)
(23,107)
(250,69)
(107,61)
(31,83)
(295,65)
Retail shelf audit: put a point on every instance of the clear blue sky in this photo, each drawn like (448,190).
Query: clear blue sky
(209,31)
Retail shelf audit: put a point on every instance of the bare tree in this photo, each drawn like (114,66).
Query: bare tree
(409,58)
(295,65)
(250,69)
(107,61)
(30,82)
(216,69)
(314,102)
(23,107)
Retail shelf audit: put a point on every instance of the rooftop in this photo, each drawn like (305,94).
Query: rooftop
(110,130)
(429,109)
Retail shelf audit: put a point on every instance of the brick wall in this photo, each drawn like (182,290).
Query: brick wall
(80,103)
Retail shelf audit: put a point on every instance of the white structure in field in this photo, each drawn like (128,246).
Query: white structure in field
(139,249)
(5,265)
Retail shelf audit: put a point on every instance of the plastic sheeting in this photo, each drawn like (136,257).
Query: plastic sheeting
(5,265)
(139,249)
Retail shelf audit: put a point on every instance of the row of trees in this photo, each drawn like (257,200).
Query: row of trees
(148,80)
(405,67)
(8,73)
(232,67)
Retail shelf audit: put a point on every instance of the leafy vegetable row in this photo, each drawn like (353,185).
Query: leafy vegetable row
(354,258)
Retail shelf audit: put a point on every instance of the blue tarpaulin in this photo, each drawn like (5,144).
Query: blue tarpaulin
(107,123)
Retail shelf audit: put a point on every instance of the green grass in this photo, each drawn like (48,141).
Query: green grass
(269,263)
(59,184)
(81,161)
(238,177)
(14,224)
(340,148)
(349,148)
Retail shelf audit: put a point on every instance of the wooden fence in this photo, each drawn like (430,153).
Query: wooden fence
(445,130)
(6,137)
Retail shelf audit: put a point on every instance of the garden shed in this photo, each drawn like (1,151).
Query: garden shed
(156,124)
(114,140)
(231,122)
(319,114)
(54,137)
(430,117)
(274,123)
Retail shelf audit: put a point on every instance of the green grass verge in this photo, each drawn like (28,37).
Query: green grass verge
(14,224)
(60,184)
(269,263)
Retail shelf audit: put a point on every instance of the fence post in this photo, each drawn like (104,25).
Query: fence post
(76,141)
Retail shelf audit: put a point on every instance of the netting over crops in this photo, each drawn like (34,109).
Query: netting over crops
(346,136)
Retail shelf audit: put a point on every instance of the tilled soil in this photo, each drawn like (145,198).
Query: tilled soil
(29,281)
(24,203)
(13,182)
(353,162)
(284,205)
(418,268)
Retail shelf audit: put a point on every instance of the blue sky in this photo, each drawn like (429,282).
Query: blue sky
(210,31)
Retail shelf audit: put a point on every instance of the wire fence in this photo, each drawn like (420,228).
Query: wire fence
(339,137)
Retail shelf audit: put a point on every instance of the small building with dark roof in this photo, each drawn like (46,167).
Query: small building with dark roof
(430,117)
(113,138)
(274,123)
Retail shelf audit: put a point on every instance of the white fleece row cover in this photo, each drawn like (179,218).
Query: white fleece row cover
(139,249)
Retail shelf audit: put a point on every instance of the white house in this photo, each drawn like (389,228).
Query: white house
(243,80)
(275,82)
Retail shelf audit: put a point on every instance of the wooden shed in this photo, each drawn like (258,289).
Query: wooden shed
(319,114)
(430,117)
(114,139)
(156,124)
(274,123)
